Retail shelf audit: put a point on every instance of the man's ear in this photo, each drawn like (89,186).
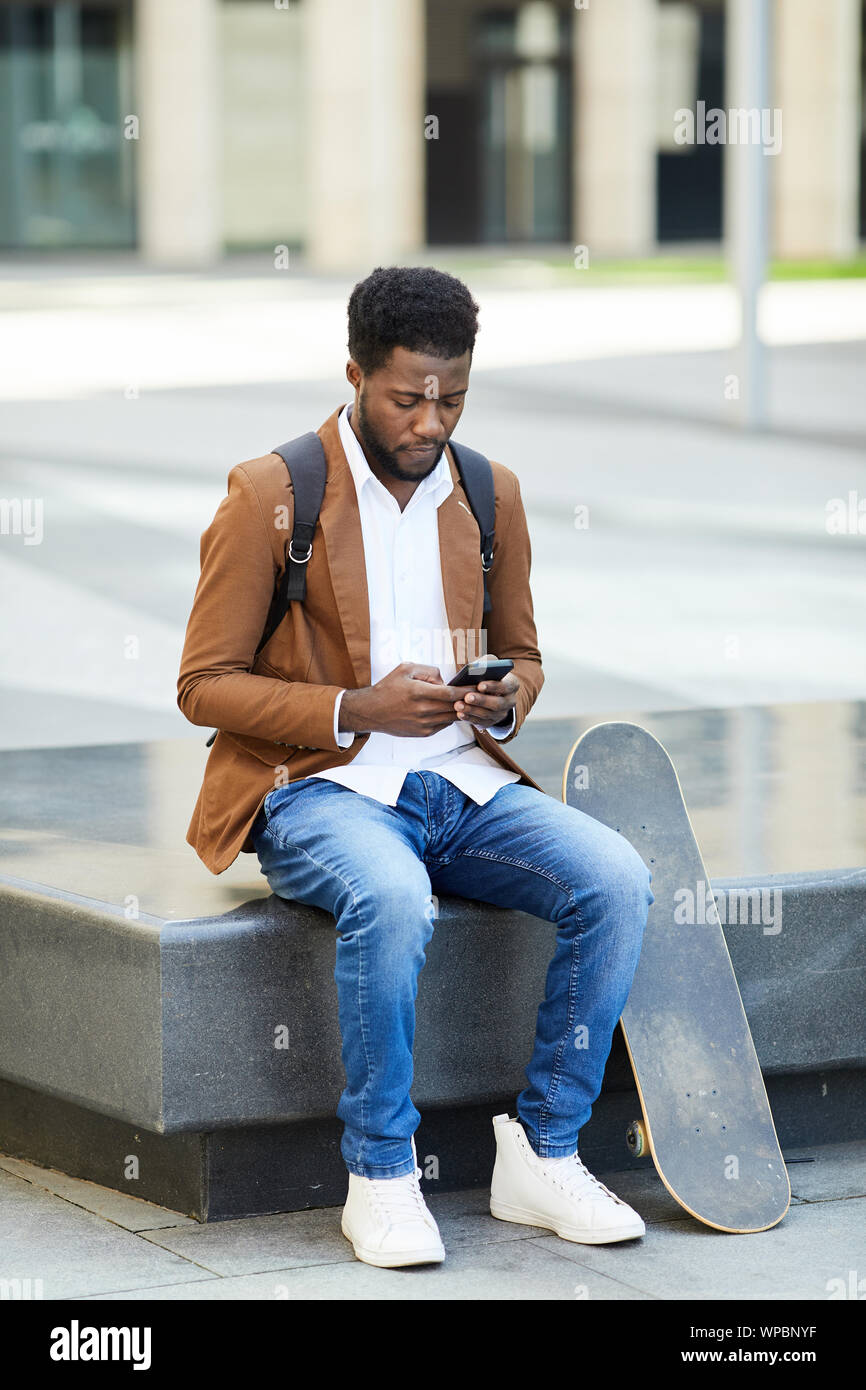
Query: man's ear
(354,375)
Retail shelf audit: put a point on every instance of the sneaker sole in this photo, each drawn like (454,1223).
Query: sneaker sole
(604,1236)
(394,1259)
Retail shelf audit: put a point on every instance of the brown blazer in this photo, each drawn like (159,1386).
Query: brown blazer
(275,711)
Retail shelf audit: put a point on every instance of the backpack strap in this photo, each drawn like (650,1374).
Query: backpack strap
(308,470)
(476,475)
(305,461)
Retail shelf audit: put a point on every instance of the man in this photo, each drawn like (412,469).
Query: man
(365,782)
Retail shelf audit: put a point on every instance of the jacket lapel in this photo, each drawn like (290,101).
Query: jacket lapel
(340,520)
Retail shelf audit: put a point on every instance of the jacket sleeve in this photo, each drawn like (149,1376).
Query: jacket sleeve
(215,686)
(511,623)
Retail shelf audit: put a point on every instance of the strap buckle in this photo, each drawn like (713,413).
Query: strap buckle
(300,559)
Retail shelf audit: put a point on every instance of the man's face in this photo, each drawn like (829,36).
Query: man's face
(407,410)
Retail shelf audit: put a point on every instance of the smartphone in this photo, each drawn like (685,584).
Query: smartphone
(486,668)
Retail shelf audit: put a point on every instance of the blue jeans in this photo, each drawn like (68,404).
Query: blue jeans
(375,868)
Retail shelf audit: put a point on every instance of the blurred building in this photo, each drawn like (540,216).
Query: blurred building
(360,130)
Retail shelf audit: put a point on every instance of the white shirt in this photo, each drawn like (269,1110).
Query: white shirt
(408,622)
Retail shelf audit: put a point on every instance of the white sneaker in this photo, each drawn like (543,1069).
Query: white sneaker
(388,1222)
(556,1193)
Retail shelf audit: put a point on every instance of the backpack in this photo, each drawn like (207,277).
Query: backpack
(305,460)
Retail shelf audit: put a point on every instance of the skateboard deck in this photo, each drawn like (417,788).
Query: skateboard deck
(706,1117)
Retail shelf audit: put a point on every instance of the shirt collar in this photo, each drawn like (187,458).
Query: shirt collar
(439,481)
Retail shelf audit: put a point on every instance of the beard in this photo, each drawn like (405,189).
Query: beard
(386,458)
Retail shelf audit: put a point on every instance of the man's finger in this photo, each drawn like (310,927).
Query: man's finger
(446,693)
(426,673)
(507,686)
(491,702)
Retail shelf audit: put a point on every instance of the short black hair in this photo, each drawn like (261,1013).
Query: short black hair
(413,307)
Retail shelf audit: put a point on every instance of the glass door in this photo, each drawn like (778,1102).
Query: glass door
(65,76)
(524,58)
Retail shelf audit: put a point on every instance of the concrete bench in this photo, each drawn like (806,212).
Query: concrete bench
(174,1035)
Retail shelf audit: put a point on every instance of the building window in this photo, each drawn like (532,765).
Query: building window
(690,62)
(525,159)
(501,86)
(65,92)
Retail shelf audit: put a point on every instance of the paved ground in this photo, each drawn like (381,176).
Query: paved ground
(87,1242)
(706,575)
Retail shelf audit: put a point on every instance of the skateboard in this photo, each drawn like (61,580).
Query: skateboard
(706,1117)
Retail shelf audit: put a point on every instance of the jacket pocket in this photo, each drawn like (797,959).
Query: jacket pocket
(265,750)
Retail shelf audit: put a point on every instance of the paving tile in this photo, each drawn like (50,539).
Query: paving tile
(76,1252)
(464,1218)
(132,1213)
(812,1246)
(253,1244)
(838,1170)
(510,1270)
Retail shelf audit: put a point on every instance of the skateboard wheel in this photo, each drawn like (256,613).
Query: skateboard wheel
(635,1137)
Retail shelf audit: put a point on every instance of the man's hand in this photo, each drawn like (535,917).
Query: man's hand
(412,701)
(488,703)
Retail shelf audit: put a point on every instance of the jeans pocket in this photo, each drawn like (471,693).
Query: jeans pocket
(280,797)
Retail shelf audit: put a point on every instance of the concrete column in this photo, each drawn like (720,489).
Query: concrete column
(817,87)
(366,80)
(614,144)
(178,102)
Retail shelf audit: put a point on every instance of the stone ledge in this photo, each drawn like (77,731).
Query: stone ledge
(173,1022)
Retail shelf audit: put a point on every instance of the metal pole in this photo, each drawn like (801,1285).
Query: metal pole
(747,176)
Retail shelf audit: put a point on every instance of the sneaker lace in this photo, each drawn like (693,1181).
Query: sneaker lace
(402,1197)
(577,1181)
